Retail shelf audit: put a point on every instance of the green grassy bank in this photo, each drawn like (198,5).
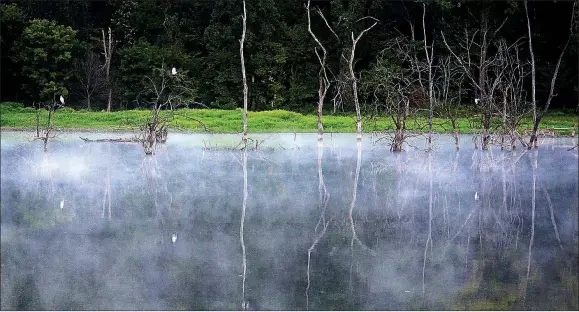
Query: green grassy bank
(16,116)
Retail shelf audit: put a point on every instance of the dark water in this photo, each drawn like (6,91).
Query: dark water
(101,226)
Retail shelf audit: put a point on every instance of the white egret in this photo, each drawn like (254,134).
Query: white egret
(61,203)
(475,195)
(62,100)
(174,71)
(174,238)
(476,101)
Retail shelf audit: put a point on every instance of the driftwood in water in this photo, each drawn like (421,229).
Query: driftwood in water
(118,140)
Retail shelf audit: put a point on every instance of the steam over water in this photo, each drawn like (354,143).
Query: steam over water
(339,226)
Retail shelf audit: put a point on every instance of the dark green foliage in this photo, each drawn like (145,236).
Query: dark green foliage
(202,37)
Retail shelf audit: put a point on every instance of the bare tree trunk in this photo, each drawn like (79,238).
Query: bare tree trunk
(37,119)
(241,42)
(354,81)
(533,76)
(108,52)
(429,59)
(538,117)
(324,81)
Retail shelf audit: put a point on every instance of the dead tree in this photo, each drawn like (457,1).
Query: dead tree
(478,71)
(241,42)
(353,75)
(323,75)
(514,106)
(449,80)
(165,91)
(90,77)
(48,132)
(538,116)
(108,53)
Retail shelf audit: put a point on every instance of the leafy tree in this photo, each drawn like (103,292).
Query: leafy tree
(45,52)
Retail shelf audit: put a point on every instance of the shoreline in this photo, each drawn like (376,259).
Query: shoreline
(181,131)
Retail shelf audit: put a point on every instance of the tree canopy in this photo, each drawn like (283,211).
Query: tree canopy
(41,40)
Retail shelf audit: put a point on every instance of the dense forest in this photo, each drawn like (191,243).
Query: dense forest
(106,53)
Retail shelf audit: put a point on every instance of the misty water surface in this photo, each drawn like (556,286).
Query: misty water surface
(339,226)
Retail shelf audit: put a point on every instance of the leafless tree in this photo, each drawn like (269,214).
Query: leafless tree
(46,133)
(241,42)
(478,70)
(323,75)
(163,93)
(108,53)
(538,116)
(90,77)
(449,79)
(353,75)
(511,88)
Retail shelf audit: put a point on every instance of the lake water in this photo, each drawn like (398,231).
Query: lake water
(293,225)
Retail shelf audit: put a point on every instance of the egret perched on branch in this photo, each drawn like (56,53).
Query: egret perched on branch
(476,101)
(62,100)
(174,71)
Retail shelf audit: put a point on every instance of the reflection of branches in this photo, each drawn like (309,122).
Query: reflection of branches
(107,194)
(552,214)
(429,238)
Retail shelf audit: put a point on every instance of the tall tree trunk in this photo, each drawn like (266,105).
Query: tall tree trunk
(533,76)
(354,81)
(323,77)
(241,42)
(108,52)
(537,117)
(429,59)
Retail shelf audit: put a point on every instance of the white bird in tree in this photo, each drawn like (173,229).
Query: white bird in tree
(476,101)
(174,71)
(62,100)
(476,196)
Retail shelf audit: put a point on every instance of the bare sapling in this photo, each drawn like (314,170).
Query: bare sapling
(47,132)
(90,77)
